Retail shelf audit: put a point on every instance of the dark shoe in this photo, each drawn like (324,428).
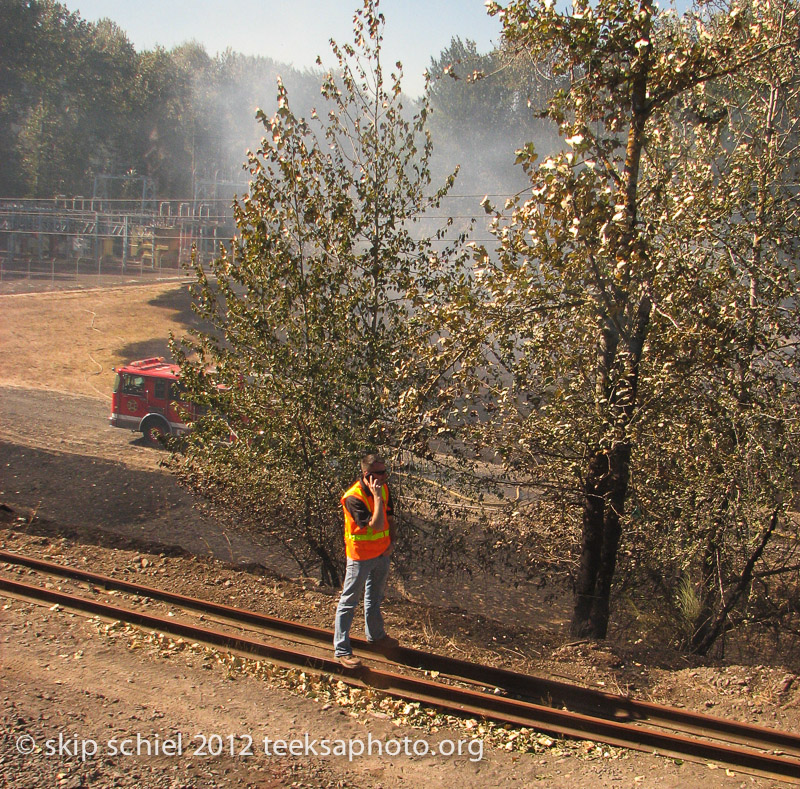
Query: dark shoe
(348,661)
(386,643)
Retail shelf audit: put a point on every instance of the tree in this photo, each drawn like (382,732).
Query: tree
(47,123)
(587,349)
(225,95)
(481,114)
(17,23)
(67,108)
(67,102)
(730,449)
(165,93)
(308,311)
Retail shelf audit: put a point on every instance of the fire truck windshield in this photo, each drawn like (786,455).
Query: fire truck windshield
(132,384)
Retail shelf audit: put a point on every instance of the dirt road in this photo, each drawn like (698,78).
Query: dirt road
(61,458)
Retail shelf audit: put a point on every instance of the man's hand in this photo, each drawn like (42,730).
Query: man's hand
(374,484)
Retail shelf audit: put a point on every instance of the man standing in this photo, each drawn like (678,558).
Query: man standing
(369,535)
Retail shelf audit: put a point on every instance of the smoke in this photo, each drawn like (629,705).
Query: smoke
(227,93)
(477,125)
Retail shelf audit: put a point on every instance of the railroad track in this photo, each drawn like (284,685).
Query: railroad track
(556,708)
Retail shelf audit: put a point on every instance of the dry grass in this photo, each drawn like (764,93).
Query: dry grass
(69,341)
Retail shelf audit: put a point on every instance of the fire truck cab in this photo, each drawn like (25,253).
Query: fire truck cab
(148,398)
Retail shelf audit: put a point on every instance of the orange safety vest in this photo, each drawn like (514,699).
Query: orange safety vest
(362,542)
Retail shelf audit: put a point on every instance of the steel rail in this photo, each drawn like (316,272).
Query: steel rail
(540,690)
(446,697)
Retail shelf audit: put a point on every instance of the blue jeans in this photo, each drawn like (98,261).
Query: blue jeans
(369,576)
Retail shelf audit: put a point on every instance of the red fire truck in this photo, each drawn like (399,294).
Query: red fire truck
(147,398)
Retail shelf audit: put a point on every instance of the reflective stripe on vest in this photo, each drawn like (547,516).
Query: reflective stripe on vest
(363,542)
(371,535)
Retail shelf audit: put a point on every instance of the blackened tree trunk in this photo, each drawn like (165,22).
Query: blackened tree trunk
(591,548)
(624,319)
(619,473)
(605,490)
(606,484)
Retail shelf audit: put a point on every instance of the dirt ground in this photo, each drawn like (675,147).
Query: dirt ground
(69,339)
(76,491)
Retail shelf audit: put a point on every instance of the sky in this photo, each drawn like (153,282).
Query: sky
(296,31)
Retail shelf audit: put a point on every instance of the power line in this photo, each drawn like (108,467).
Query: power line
(200,200)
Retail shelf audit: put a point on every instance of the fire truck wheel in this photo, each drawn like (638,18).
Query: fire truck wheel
(154,431)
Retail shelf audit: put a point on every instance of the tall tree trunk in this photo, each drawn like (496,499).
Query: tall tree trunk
(605,490)
(608,471)
(591,549)
(618,476)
